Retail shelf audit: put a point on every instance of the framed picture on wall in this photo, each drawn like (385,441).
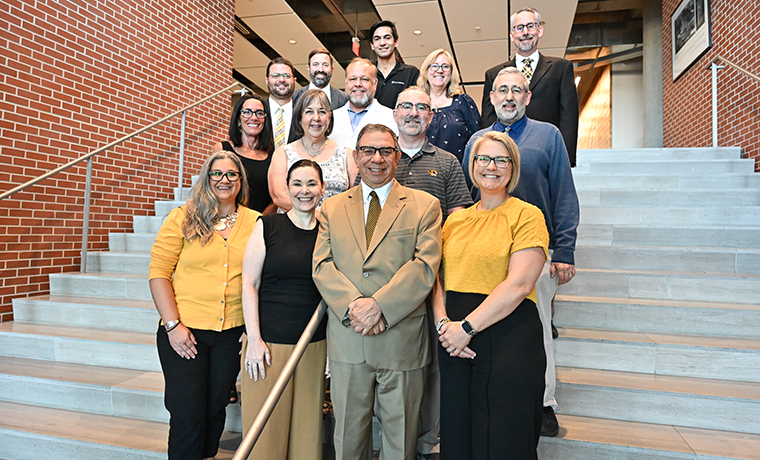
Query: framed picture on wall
(690,33)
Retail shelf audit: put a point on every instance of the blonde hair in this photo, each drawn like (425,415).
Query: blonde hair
(511,148)
(203,207)
(454,87)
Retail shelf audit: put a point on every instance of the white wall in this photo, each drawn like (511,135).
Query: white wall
(627,105)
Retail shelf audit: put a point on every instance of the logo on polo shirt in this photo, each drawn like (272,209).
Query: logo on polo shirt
(433,173)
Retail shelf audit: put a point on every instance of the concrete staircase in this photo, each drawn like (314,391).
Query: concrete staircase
(659,348)
(659,354)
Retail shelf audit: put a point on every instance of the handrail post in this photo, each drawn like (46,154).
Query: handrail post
(86,216)
(714,67)
(181,154)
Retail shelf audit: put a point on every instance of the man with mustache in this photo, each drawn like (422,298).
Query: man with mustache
(321,68)
(362,108)
(281,79)
(552,81)
(546,182)
(393,75)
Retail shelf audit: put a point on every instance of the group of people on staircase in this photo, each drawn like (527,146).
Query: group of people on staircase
(434,247)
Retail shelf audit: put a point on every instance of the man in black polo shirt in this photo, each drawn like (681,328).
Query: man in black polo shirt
(393,76)
(425,167)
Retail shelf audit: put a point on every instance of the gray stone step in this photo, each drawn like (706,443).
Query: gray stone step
(111,285)
(95,312)
(663,354)
(586,156)
(130,242)
(163,208)
(118,262)
(654,181)
(676,216)
(693,198)
(664,285)
(68,344)
(147,224)
(679,167)
(658,235)
(587,438)
(31,433)
(658,316)
(684,259)
(682,401)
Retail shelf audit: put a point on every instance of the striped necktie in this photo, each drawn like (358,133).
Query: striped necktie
(279,128)
(527,69)
(372,215)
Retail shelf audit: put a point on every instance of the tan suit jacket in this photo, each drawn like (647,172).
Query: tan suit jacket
(398,270)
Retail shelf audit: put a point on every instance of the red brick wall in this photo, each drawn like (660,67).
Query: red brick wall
(76,75)
(688,101)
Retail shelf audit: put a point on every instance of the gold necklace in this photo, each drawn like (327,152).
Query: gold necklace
(313,154)
(226,222)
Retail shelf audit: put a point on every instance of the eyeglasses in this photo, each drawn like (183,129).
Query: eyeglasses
(247,113)
(369,151)
(407,107)
(504,89)
(531,27)
(443,67)
(275,76)
(484,160)
(217,176)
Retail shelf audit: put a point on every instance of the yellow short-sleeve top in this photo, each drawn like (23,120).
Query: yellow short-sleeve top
(477,244)
(207,280)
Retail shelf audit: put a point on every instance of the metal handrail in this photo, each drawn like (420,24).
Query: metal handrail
(273,397)
(713,66)
(89,157)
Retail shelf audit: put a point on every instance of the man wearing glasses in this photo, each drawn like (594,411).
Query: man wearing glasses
(321,68)
(375,261)
(546,182)
(552,81)
(281,84)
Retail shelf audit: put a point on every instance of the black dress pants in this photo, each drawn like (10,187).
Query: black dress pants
(492,405)
(197,391)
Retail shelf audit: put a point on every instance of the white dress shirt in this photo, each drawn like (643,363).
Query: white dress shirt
(382,196)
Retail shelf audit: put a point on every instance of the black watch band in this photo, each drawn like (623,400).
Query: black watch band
(467,327)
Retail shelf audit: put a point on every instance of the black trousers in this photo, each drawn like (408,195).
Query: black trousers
(197,391)
(492,406)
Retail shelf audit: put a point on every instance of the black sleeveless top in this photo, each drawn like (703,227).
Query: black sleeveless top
(287,294)
(258,185)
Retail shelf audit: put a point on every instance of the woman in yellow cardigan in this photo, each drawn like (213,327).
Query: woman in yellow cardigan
(196,282)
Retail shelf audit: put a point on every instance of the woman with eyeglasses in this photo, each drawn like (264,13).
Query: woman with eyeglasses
(196,267)
(251,139)
(279,299)
(455,115)
(312,123)
(491,356)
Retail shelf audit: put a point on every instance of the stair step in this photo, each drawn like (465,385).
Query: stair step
(679,167)
(147,224)
(110,285)
(587,438)
(130,242)
(663,354)
(97,312)
(685,259)
(163,208)
(659,316)
(667,182)
(656,235)
(682,401)
(654,284)
(586,156)
(118,262)
(32,432)
(99,347)
(694,198)
(672,216)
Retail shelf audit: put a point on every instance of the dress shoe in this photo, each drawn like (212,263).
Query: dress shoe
(549,425)
(555,332)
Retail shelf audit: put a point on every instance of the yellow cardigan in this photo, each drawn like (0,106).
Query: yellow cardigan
(207,280)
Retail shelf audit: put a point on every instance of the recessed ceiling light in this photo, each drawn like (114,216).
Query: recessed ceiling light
(292,42)
(417,32)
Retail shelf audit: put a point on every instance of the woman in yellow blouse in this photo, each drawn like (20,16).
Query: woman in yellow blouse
(196,282)
(492,354)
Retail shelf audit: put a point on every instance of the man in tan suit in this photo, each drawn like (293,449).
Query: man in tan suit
(375,261)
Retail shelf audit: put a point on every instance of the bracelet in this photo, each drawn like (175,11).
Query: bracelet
(440,324)
(171,325)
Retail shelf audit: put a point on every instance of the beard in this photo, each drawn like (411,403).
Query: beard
(360,102)
(320,79)
(409,130)
(528,46)
(508,118)
(284,93)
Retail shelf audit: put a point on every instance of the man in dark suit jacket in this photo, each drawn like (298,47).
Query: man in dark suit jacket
(555,98)
(281,83)
(321,68)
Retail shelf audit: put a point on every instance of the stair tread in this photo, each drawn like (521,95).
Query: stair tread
(668,273)
(71,332)
(658,302)
(102,275)
(92,301)
(661,383)
(659,338)
(661,437)
(83,374)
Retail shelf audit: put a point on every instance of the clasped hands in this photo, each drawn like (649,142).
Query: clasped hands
(366,316)
(455,340)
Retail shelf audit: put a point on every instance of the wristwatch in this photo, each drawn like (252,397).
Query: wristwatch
(467,327)
(170,325)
